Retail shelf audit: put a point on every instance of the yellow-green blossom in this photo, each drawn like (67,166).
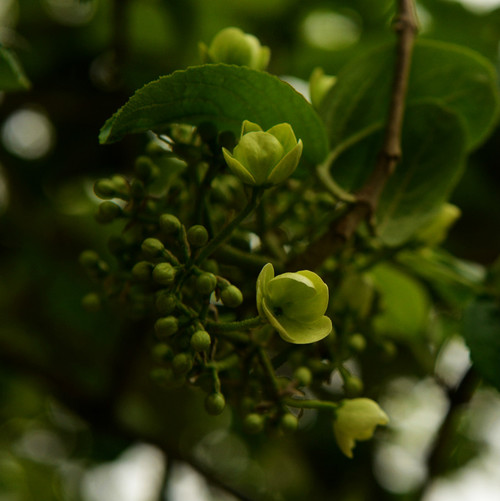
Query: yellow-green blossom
(356,419)
(294,304)
(261,157)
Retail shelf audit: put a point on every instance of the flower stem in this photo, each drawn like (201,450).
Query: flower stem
(235,326)
(310,404)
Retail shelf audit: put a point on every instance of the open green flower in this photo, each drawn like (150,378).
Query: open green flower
(356,420)
(264,157)
(294,304)
(233,46)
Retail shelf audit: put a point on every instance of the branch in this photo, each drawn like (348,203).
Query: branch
(342,229)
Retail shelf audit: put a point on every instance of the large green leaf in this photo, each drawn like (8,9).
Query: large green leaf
(225,95)
(481,329)
(12,76)
(433,159)
(461,79)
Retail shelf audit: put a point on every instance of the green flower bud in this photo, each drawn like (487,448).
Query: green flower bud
(289,423)
(169,224)
(215,403)
(162,352)
(166,326)
(142,270)
(152,247)
(107,212)
(353,386)
(89,259)
(164,274)
(303,376)
(146,169)
(105,189)
(357,342)
(437,230)
(253,423)
(206,283)
(120,184)
(294,304)
(356,419)
(264,158)
(182,363)
(200,341)
(231,296)
(91,302)
(197,235)
(319,86)
(165,303)
(233,46)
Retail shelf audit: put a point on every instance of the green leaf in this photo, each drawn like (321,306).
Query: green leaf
(405,304)
(225,95)
(481,330)
(12,75)
(459,78)
(433,160)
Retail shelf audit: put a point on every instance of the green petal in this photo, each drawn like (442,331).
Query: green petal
(296,332)
(259,152)
(289,288)
(285,135)
(265,276)
(263,58)
(345,442)
(286,165)
(237,169)
(248,126)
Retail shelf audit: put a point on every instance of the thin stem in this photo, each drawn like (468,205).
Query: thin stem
(246,324)
(310,404)
(226,232)
(269,370)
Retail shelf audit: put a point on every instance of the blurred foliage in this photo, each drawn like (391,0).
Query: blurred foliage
(59,366)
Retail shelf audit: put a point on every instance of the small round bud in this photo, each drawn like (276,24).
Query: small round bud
(162,352)
(105,189)
(231,296)
(211,266)
(182,363)
(142,270)
(107,212)
(152,247)
(200,341)
(289,423)
(169,224)
(357,342)
(165,303)
(146,169)
(91,302)
(253,423)
(215,403)
(120,184)
(206,283)
(89,259)
(303,375)
(166,326)
(353,386)
(197,235)
(164,274)
(389,350)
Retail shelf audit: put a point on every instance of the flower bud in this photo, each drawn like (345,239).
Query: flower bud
(200,341)
(91,302)
(107,212)
(253,423)
(206,283)
(353,386)
(231,296)
(197,235)
(166,326)
(162,352)
(142,271)
(169,224)
(319,86)
(294,304)
(289,423)
(121,186)
(165,303)
(303,376)
(89,259)
(264,158)
(215,403)
(145,169)
(152,247)
(233,46)
(357,342)
(182,363)
(164,274)
(105,189)
(356,419)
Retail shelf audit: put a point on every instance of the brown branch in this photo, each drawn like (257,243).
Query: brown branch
(341,230)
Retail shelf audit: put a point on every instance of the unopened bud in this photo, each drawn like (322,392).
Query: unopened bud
(152,247)
(215,403)
(166,326)
(164,274)
(169,224)
(206,283)
(142,270)
(107,212)
(253,423)
(197,235)
(200,341)
(231,296)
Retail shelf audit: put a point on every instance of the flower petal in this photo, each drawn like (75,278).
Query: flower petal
(345,442)
(248,126)
(237,168)
(288,288)
(265,276)
(285,135)
(286,165)
(296,332)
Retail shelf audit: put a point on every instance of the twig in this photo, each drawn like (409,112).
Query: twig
(342,229)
